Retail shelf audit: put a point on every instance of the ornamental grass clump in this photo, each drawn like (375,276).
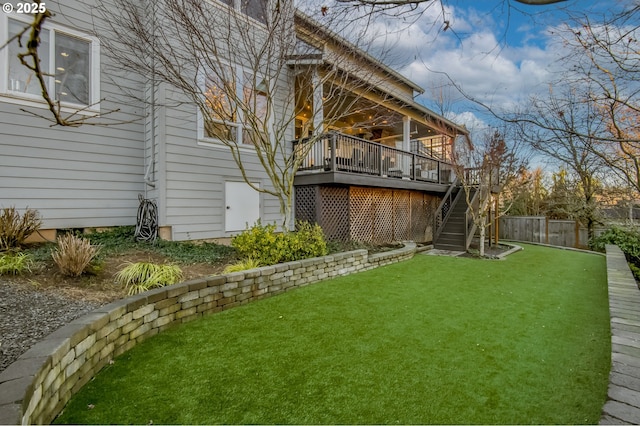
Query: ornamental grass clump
(15,263)
(16,227)
(74,254)
(142,276)
(242,265)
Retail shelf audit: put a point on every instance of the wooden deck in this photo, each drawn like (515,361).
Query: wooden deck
(360,179)
(335,158)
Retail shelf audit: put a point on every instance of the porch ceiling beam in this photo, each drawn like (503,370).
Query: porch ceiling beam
(406,111)
(414,111)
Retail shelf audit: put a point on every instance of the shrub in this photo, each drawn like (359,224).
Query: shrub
(243,265)
(627,239)
(15,263)
(264,244)
(15,228)
(142,276)
(74,254)
(635,270)
(307,241)
(256,242)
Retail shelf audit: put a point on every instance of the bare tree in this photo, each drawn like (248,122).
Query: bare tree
(416,2)
(410,10)
(609,64)
(240,75)
(623,156)
(602,69)
(526,194)
(483,170)
(566,127)
(385,5)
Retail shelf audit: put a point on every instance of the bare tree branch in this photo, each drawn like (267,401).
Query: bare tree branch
(30,59)
(240,74)
(415,3)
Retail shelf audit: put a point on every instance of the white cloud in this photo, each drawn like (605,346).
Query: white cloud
(473,52)
(468,119)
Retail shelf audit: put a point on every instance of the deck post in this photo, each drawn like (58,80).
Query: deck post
(413,166)
(406,143)
(332,141)
(318,103)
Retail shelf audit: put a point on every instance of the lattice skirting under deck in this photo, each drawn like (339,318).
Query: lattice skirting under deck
(372,215)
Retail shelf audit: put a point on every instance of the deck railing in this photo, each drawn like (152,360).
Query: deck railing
(339,152)
(444,209)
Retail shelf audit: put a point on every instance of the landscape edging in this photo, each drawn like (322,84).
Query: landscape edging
(37,386)
(623,394)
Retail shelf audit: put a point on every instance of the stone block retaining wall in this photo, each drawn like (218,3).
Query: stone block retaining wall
(36,387)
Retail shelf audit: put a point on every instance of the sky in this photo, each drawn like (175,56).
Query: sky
(498,51)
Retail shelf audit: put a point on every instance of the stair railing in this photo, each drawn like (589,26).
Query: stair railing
(445,208)
(470,225)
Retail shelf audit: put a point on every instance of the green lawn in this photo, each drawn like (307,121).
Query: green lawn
(430,340)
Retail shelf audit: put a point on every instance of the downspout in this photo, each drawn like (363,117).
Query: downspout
(149,176)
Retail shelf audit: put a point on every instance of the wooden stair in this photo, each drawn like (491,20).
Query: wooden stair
(453,234)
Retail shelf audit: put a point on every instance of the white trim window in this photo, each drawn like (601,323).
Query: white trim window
(70,60)
(244,124)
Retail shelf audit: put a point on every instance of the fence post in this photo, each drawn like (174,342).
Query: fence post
(546,230)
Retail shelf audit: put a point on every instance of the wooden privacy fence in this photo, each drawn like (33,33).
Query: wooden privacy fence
(539,229)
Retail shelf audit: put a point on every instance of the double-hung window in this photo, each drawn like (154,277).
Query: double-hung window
(237,107)
(69,61)
(221,118)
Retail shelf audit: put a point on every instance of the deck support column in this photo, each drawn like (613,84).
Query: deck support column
(318,106)
(406,146)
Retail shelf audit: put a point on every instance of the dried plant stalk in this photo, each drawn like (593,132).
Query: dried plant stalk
(74,254)
(15,228)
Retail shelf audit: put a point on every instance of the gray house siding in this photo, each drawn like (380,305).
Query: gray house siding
(88,176)
(196,176)
(91,176)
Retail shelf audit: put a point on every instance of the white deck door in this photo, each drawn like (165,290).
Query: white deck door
(242,206)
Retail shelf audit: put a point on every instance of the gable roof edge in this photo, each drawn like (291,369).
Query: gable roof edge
(304,19)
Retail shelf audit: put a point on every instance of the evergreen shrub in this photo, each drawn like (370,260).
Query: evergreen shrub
(627,239)
(265,245)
